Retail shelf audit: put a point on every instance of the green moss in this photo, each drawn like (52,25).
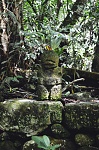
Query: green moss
(29,116)
(82,115)
(84,140)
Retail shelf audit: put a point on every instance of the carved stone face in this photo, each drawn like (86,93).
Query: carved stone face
(49,59)
(49,77)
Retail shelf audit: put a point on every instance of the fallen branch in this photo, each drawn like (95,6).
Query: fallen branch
(71,83)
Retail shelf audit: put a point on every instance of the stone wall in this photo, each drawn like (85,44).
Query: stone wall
(74,125)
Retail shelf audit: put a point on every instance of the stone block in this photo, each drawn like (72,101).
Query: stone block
(82,115)
(29,116)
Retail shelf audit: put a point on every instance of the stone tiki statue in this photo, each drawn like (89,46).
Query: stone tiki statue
(49,77)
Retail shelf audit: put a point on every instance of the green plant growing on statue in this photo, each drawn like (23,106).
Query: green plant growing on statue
(44,143)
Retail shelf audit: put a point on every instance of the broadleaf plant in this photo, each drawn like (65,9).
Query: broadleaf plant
(44,142)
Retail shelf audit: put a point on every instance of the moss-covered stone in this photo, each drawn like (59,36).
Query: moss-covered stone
(82,115)
(97,139)
(49,77)
(59,131)
(29,116)
(49,59)
(88,148)
(84,139)
(30,145)
(7,145)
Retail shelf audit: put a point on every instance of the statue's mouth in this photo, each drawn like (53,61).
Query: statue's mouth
(49,64)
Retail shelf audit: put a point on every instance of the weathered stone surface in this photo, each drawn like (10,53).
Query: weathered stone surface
(59,131)
(49,77)
(82,96)
(97,139)
(82,115)
(84,139)
(7,145)
(30,145)
(88,148)
(29,116)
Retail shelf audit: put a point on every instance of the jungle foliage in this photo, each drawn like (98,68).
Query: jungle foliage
(70,27)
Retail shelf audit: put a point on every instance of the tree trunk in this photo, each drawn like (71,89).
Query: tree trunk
(10,37)
(77,9)
(95,63)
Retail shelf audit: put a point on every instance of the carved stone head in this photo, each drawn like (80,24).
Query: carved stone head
(49,59)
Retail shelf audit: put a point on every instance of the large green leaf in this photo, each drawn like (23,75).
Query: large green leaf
(46,140)
(42,142)
(37,139)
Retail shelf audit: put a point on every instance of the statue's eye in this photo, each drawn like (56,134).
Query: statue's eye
(48,47)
